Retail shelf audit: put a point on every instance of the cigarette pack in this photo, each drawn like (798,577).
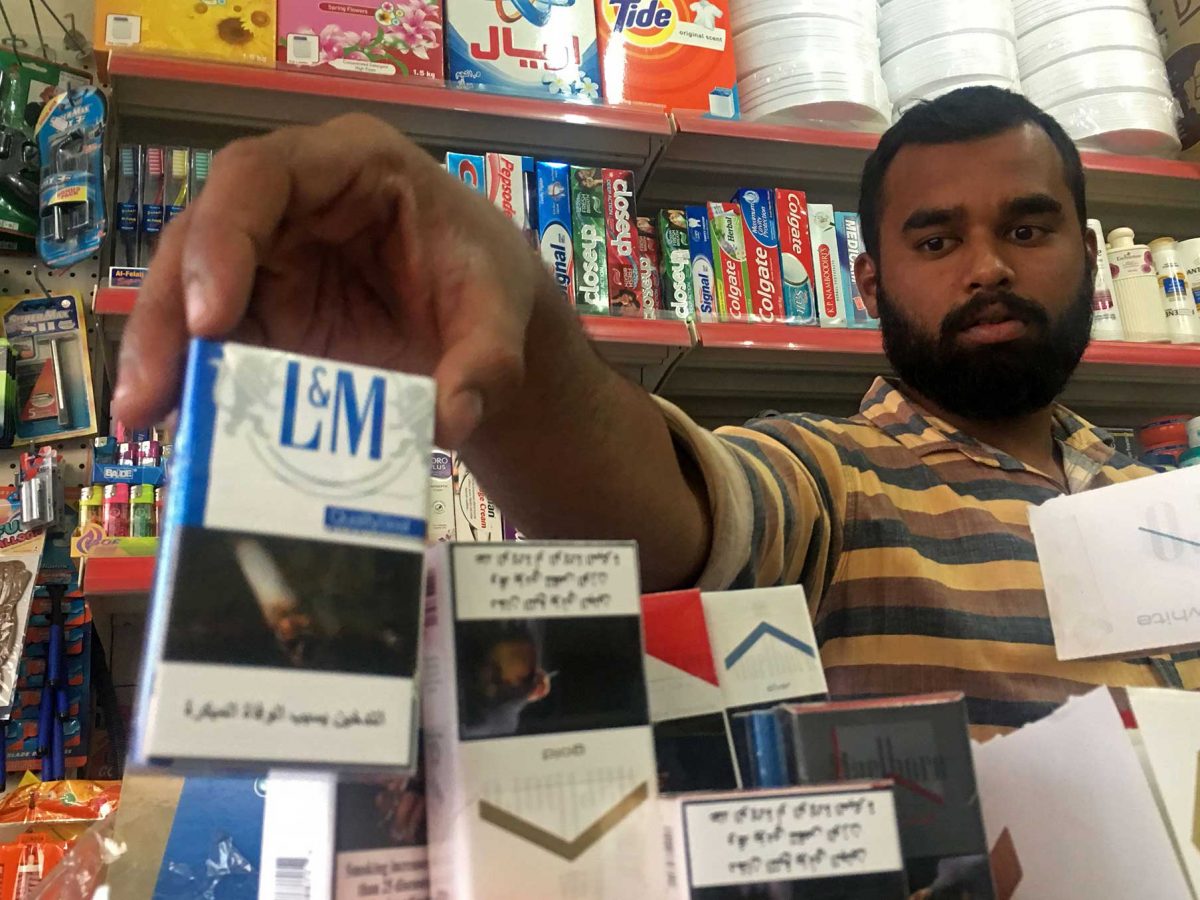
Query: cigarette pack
(543,781)
(470,169)
(441,497)
(620,228)
(649,262)
(476,518)
(554,223)
(921,744)
(729,257)
(850,245)
(591,255)
(827,841)
(298,833)
(285,617)
(675,264)
(761,231)
(510,187)
(831,308)
(706,285)
(799,281)
(532,47)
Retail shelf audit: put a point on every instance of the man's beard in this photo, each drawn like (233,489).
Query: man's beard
(990,382)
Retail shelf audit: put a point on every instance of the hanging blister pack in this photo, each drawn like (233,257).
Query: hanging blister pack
(70,136)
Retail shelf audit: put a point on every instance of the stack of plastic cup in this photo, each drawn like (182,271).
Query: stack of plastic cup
(810,62)
(931,47)
(1097,67)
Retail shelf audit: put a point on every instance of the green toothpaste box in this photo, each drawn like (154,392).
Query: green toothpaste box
(591,257)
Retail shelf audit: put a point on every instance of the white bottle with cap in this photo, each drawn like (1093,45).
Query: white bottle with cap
(1135,286)
(1189,256)
(1106,318)
(1183,327)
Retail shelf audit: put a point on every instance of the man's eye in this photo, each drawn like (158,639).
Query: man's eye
(934,244)
(1024,233)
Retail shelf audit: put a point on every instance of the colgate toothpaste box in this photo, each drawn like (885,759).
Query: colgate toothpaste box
(591,257)
(649,258)
(822,227)
(795,250)
(675,264)
(554,223)
(850,245)
(706,286)
(729,256)
(510,188)
(620,227)
(470,169)
(762,254)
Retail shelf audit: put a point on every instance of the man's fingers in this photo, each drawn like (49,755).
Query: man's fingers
(474,376)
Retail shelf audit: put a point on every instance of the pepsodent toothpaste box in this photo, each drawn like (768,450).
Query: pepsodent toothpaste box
(795,250)
(470,169)
(729,257)
(591,256)
(850,245)
(761,234)
(706,286)
(649,258)
(554,223)
(675,263)
(620,224)
(822,227)
(509,187)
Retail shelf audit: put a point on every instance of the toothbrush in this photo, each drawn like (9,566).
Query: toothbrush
(154,169)
(128,175)
(179,172)
(201,160)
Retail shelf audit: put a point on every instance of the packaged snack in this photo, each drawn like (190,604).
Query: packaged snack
(648,266)
(706,285)
(761,232)
(591,254)
(675,263)
(624,293)
(795,247)
(554,223)
(823,230)
(206,29)
(729,257)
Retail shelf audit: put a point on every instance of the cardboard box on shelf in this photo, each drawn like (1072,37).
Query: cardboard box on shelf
(204,30)
(1178,25)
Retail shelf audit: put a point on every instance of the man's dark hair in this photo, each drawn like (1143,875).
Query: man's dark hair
(966,114)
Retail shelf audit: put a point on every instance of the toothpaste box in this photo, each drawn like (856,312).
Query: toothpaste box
(540,760)
(762,254)
(795,246)
(510,187)
(441,497)
(729,257)
(675,264)
(649,260)
(620,223)
(285,631)
(822,228)
(850,245)
(538,48)
(591,255)
(476,518)
(706,286)
(470,169)
(554,223)
(671,53)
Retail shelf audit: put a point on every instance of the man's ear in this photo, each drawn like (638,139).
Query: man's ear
(1089,241)
(866,276)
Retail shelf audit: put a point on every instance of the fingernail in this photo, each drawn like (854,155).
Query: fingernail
(195,299)
(472,410)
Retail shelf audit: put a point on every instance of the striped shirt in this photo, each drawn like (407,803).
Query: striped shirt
(912,541)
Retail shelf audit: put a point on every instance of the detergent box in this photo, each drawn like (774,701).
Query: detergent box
(379,38)
(538,48)
(207,29)
(706,287)
(729,257)
(470,169)
(669,52)
(795,247)
(761,233)
(554,224)
(850,245)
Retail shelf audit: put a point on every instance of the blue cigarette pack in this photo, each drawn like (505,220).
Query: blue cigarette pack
(850,245)
(470,169)
(555,237)
(704,275)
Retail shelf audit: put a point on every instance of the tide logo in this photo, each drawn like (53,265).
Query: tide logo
(323,418)
(642,23)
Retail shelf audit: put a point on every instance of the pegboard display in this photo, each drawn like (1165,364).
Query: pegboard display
(77,461)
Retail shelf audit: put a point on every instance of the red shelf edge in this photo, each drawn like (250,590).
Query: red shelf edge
(617,330)
(737,335)
(118,575)
(1127,353)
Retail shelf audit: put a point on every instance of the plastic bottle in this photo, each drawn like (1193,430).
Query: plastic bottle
(1106,318)
(1135,286)
(1182,325)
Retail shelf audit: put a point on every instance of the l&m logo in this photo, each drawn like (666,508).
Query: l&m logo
(642,23)
(323,418)
(535,12)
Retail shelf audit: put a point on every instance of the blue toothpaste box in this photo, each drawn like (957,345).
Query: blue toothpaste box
(850,245)
(470,169)
(555,237)
(704,274)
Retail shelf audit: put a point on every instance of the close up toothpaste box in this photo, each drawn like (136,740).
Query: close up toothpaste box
(850,245)
(510,187)
(591,254)
(620,223)
(554,223)
(675,263)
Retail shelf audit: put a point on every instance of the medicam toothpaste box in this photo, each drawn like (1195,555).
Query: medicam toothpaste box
(706,285)
(620,226)
(729,258)
(591,255)
(510,187)
(675,264)
(850,245)
(823,229)
(795,249)
(554,223)
(761,232)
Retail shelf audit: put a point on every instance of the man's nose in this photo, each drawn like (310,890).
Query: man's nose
(988,269)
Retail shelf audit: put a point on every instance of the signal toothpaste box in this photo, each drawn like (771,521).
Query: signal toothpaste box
(470,169)
(795,249)
(286,631)
(729,257)
(850,245)
(762,254)
(554,223)
(620,224)
(540,765)
(510,188)
(649,261)
(823,229)
(706,286)
(675,263)
(591,255)
(669,52)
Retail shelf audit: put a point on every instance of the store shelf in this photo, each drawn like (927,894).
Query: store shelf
(184,101)
(112,576)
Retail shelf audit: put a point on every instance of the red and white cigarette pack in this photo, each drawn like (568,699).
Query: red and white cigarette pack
(620,227)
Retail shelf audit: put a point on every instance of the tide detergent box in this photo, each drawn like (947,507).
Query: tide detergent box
(620,226)
(379,38)
(538,48)
(669,52)
(541,776)
(470,169)
(675,264)
(850,245)
(554,224)
(795,249)
(208,29)
(510,188)
(706,286)
(729,257)
(591,255)
(761,233)
(286,632)
(822,227)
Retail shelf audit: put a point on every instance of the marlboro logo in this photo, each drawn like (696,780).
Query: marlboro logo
(827,288)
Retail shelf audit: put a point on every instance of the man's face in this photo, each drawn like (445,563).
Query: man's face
(983,284)
(509,671)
